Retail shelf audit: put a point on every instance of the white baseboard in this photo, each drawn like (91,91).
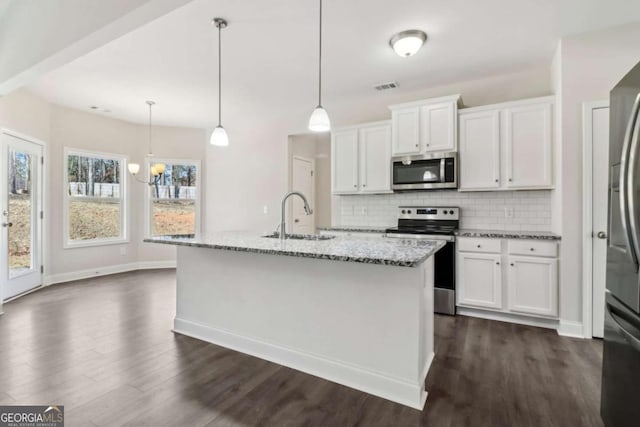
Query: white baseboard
(359,378)
(572,329)
(507,317)
(103,271)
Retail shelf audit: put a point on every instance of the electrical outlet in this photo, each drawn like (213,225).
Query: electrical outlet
(265,209)
(123,250)
(508,212)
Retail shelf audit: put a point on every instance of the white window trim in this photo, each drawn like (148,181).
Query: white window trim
(124,199)
(147,203)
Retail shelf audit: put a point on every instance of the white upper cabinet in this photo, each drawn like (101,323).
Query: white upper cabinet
(375,158)
(406,133)
(528,145)
(344,161)
(480,150)
(425,126)
(361,159)
(507,146)
(438,126)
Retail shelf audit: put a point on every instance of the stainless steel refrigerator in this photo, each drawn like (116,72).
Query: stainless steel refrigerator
(620,401)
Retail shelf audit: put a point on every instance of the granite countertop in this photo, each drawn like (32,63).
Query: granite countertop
(395,252)
(354,228)
(507,234)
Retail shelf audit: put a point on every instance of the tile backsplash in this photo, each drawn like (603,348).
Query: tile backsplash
(498,210)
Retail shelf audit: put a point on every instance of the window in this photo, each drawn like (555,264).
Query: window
(94,208)
(174,200)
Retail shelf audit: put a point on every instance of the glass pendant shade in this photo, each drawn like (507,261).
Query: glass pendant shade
(219,137)
(319,120)
(159,168)
(134,168)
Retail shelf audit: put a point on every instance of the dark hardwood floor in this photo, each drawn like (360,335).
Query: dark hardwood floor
(104,348)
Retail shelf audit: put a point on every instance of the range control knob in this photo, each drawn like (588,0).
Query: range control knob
(403,211)
(409,211)
(451,212)
(444,212)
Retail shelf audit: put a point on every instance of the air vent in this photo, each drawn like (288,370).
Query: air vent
(386,86)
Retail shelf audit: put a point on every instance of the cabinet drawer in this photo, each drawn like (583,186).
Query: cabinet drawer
(472,244)
(533,248)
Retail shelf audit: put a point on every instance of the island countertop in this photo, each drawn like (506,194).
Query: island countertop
(394,252)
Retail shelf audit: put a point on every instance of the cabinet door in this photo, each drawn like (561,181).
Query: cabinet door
(533,285)
(438,127)
(528,137)
(479,280)
(480,150)
(344,164)
(406,127)
(375,159)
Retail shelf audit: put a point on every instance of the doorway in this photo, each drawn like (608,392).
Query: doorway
(309,171)
(20,214)
(302,180)
(595,121)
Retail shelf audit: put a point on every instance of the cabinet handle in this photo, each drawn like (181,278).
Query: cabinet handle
(532,249)
(510,180)
(427,145)
(512,264)
(364,185)
(496,180)
(497,263)
(355,186)
(417,145)
(478,246)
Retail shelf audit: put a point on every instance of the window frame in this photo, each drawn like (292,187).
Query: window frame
(124,199)
(148,221)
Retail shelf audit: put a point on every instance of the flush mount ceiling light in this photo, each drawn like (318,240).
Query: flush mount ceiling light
(319,120)
(157,169)
(408,43)
(219,136)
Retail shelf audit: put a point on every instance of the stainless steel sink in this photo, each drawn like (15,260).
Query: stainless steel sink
(276,235)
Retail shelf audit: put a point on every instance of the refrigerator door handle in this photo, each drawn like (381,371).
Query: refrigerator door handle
(633,209)
(626,182)
(631,339)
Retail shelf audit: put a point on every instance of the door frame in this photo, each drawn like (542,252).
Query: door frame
(42,230)
(587,214)
(312,198)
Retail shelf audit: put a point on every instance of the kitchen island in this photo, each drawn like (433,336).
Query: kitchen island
(358,312)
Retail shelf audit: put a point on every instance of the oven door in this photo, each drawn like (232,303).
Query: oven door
(424,172)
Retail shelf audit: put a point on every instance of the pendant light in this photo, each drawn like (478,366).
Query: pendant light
(219,136)
(319,120)
(158,168)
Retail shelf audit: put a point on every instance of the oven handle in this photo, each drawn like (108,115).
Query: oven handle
(420,237)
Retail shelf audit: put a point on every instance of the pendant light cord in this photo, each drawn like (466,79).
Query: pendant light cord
(320,60)
(219,74)
(150,150)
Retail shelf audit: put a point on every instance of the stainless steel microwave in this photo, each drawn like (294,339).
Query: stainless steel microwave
(425,172)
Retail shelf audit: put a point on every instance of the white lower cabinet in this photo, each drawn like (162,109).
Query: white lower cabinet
(480,280)
(506,280)
(533,285)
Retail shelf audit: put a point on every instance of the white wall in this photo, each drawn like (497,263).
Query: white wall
(61,127)
(591,65)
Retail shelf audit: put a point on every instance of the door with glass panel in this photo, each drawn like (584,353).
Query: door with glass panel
(20,215)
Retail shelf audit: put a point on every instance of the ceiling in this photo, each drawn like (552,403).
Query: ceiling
(270,54)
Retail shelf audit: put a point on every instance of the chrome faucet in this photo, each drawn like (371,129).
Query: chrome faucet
(307,210)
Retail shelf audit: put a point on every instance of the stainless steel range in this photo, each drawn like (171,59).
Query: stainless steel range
(435,223)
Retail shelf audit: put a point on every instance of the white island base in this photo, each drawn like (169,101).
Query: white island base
(366,326)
